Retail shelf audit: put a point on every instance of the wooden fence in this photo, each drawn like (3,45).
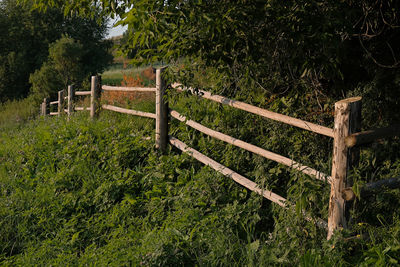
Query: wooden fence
(346,137)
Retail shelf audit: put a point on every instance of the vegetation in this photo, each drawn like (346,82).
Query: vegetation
(17,112)
(24,45)
(119,74)
(82,192)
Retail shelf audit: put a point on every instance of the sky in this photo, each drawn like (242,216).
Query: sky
(115,31)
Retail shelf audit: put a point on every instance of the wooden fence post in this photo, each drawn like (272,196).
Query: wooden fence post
(45,107)
(161,113)
(95,91)
(71,93)
(42,109)
(60,108)
(347,121)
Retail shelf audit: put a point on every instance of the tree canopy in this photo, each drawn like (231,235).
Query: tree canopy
(25,38)
(279,47)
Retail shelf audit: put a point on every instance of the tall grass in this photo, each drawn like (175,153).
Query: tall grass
(17,112)
(116,73)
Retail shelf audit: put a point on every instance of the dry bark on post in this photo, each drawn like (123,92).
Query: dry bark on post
(347,121)
(161,113)
(46,107)
(60,108)
(70,99)
(95,90)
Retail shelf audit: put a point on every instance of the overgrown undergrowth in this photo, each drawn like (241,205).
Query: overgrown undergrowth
(84,192)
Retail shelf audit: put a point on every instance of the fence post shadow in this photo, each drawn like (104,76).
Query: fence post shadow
(95,92)
(161,112)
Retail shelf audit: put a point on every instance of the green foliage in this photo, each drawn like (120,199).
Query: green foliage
(82,192)
(17,112)
(96,193)
(46,82)
(66,56)
(63,67)
(324,48)
(25,38)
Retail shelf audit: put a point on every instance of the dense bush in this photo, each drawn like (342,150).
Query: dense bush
(63,67)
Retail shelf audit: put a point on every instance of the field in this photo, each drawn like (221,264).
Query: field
(121,73)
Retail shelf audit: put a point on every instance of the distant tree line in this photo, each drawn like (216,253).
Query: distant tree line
(42,52)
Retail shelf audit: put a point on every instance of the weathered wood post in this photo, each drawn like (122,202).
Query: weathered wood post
(45,105)
(43,108)
(95,91)
(70,99)
(347,121)
(161,112)
(60,108)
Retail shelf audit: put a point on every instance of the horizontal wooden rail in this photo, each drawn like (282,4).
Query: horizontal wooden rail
(228,172)
(371,135)
(263,112)
(130,111)
(240,179)
(54,102)
(66,110)
(82,92)
(82,108)
(53,113)
(373,188)
(128,89)
(252,148)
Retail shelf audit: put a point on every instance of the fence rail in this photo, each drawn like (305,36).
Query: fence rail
(82,92)
(346,140)
(252,148)
(82,108)
(129,111)
(128,89)
(228,172)
(260,111)
(366,137)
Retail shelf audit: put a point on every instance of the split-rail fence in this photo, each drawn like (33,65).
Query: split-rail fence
(346,136)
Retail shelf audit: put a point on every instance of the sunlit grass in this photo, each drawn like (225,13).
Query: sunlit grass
(17,111)
(114,75)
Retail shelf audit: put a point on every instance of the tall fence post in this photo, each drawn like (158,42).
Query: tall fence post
(347,121)
(161,113)
(45,107)
(60,108)
(70,99)
(95,91)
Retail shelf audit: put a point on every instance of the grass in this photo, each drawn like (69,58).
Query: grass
(115,74)
(83,192)
(97,193)
(17,112)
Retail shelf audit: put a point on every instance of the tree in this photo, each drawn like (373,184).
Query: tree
(63,67)
(331,48)
(25,38)
(66,57)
